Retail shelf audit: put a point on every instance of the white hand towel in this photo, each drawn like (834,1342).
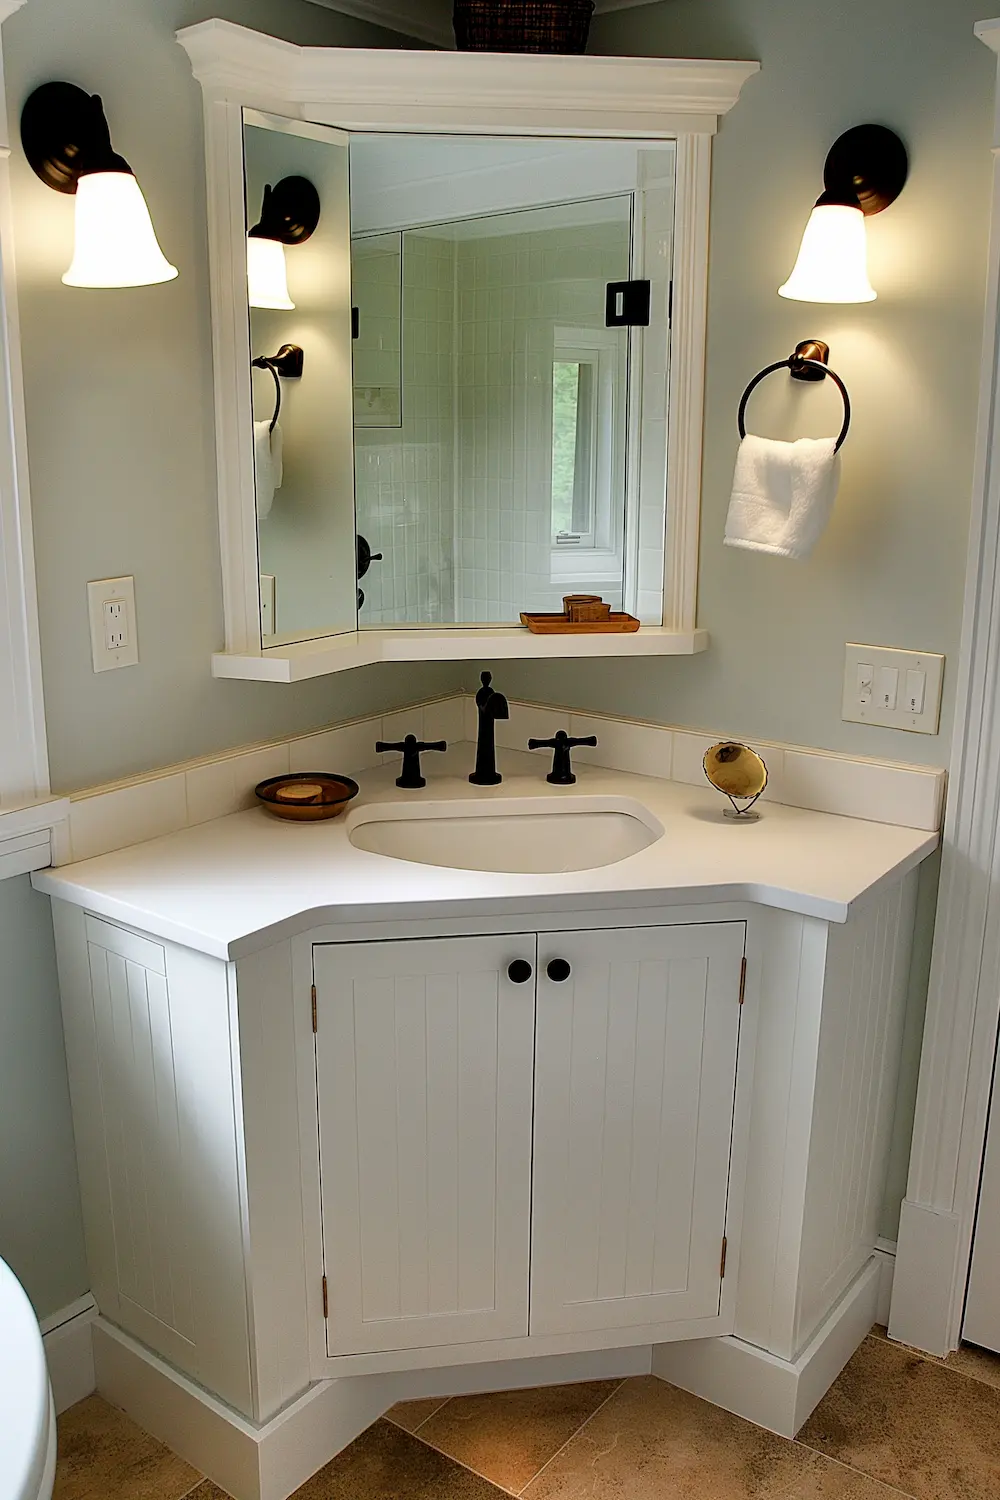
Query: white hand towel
(277,448)
(783,494)
(267,450)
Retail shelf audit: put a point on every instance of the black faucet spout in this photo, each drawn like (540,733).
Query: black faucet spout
(492,706)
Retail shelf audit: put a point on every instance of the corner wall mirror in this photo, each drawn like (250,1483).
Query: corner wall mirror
(496,415)
(500,303)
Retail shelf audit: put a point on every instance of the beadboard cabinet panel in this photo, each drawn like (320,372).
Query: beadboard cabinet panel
(152,1067)
(635,1077)
(424,1077)
(868,967)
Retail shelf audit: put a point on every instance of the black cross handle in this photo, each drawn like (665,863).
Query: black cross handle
(410,779)
(562,770)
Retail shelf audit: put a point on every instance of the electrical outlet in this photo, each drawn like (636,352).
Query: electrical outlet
(896,689)
(113,638)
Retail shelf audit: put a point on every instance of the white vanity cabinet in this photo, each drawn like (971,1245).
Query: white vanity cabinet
(350,1152)
(523,1136)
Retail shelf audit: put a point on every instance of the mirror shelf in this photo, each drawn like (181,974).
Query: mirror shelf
(662,114)
(364,648)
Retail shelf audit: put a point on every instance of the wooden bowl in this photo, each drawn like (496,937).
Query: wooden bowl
(306,796)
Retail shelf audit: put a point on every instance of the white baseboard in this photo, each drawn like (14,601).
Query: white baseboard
(885,1252)
(69,1352)
(271,1461)
(775,1393)
(926,1261)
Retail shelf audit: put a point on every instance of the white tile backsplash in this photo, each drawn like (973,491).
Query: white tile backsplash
(528,721)
(643,749)
(226,786)
(103,820)
(863,789)
(350,749)
(127,815)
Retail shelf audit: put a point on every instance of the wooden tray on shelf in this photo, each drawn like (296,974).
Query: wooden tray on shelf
(615,624)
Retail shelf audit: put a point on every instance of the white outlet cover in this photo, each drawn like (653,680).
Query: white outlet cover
(99,593)
(858,711)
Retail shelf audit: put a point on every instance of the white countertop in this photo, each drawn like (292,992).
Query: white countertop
(236,884)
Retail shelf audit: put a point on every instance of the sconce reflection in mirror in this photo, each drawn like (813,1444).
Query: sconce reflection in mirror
(740,774)
(289,214)
(67,141)
(865,171)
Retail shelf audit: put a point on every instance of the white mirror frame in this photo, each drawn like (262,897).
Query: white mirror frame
(476,93)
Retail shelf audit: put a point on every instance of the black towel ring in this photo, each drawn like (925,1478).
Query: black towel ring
(287,362)
(802,368)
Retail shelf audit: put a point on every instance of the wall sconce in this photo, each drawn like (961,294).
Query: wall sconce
(864,172)
(66,139)
(288,216)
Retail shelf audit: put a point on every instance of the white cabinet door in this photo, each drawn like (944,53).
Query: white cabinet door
(635,1072)
(424,1075)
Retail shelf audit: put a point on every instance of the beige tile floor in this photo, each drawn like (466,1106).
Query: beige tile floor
(896,1423)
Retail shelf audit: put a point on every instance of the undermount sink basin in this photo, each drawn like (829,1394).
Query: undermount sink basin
(524,836)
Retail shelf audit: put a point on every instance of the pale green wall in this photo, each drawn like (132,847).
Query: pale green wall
(120,412)
(119,407)
(891,568)
(118,388)
(41,1236)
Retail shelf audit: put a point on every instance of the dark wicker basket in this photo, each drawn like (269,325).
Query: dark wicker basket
(522,25)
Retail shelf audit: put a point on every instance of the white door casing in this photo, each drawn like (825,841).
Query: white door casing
(963,1004)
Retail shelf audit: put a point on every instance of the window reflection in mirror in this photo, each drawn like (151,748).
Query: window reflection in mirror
(503,480)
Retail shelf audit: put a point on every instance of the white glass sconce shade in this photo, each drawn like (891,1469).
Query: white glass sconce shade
(115,244)
(267,274)
(832,264)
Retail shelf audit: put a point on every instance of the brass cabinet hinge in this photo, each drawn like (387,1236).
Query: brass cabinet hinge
(722,1262)
(743,982)
(326,1300)
(315,1022)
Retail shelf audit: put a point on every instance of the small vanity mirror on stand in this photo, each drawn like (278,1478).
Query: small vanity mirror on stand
(740,774)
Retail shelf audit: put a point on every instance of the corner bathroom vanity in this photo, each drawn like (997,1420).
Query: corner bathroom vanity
(354,1127)
(490,1086)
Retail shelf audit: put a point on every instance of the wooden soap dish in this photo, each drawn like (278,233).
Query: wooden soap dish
(583,614)
(307,796)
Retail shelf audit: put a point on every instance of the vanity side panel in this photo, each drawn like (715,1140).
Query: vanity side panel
(793,959)
(80,1035)
(276,1237)
(863,1013)
(151,1065)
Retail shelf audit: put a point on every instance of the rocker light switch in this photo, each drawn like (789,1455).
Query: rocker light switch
(916,687)
(897,689)
(888,687)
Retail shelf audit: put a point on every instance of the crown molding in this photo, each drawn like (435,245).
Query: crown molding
(433,24)
(501,92)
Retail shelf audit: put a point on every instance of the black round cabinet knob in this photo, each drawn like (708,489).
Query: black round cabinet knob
(558,971)
(519,971)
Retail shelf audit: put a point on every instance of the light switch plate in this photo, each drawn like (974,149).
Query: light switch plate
(871,708)
(113,639)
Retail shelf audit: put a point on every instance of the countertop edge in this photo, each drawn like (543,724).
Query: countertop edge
(293,924)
